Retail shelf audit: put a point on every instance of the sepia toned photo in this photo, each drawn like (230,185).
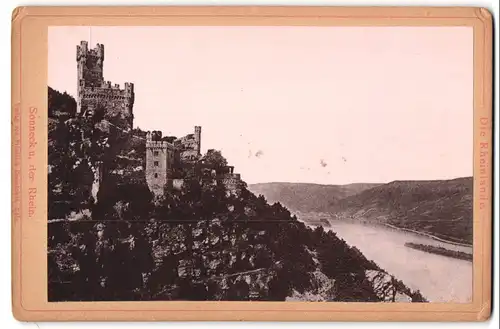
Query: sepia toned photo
(260,163)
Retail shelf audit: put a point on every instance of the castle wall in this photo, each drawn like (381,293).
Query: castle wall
(92,72)
(159,164)
(232,182)
(189,155)
(117,102)
(190,146)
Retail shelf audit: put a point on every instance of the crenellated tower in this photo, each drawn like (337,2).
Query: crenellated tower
(164,157)
(96,94)
(90,65)
(197,138)
(160,157)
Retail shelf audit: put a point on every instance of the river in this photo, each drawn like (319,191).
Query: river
(439,278)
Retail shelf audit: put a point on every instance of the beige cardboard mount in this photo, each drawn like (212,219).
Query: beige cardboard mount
(29,163)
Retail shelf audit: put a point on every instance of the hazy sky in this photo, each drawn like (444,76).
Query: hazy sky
(328,105)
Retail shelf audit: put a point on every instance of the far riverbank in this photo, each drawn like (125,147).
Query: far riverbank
(440,251)
(428,235)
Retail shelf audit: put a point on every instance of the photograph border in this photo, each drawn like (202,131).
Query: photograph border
(29,162)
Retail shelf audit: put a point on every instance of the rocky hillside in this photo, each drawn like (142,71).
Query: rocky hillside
(304,197)
(442,208)
(112,241)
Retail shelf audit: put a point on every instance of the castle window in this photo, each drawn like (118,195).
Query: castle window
(156,153)
(156,163)
(156,175)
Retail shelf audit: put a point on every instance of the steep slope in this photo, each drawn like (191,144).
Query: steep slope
(303,197)
(442,208)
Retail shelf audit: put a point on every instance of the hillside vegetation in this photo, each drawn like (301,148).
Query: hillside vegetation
(442,208)
(114,241)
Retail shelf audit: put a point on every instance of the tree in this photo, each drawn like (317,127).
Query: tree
(214,159)
(60,102)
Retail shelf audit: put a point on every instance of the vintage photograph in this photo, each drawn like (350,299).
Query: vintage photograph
(260,163)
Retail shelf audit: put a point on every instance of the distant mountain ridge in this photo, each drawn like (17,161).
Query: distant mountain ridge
(307,197)
(442,208)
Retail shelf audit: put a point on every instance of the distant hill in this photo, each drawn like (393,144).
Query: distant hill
(441,207)
(306,197)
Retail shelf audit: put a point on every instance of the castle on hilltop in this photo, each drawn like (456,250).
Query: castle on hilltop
(94,93)
(165,156)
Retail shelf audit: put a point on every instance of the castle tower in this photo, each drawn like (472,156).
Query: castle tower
(159,163)
(90,67)
(129,102)
(95,94)
(197,137)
